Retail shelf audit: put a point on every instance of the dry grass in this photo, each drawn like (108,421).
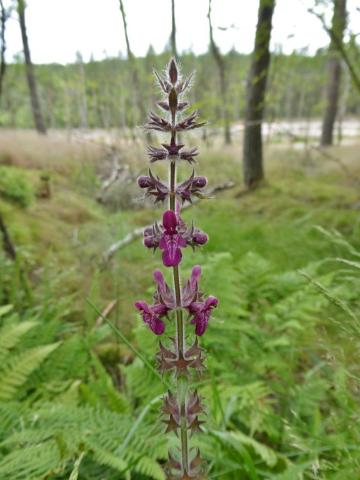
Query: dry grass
(54,152)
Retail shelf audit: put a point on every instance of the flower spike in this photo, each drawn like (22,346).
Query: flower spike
(180,305)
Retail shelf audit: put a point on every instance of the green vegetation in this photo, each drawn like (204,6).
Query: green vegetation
(82,94)
(14,186)
(283,384)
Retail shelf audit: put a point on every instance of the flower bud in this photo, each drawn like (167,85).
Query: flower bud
(144,181)
(199,182)
(173,72)
(200,238)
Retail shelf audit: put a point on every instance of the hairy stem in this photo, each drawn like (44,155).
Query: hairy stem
(182,385)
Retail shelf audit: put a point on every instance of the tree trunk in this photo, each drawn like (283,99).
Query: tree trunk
(3,18)
(30,76)
(8,246)
(343,103)
(252,150)
(83,108)
(173,30)
(133,67)
(220,62)
(334,73)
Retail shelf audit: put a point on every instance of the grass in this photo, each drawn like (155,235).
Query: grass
(70,231)
(283,344)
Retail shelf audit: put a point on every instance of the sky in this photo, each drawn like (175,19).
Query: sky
(57,29)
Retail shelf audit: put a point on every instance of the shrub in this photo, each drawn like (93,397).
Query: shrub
(14,186)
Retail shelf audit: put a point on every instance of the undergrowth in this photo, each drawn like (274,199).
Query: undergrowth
(283,383)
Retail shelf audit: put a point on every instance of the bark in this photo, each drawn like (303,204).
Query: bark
(252,150)
(83,108)
(8,246)
(334,73)
(220,62)
(355,77)
(30,75)
(173,30)
(343,103)
(3,19)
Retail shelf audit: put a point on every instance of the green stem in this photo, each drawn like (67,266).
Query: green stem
(182,384)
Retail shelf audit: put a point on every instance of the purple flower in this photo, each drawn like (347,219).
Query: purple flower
(191,288)
(173,149)
(152,236)
(152,316)
(202,311)
(172,236)
(154,187)
(193,301)
(156,154)
(189,123)
(158,123)
(171,241)
(164,293)
(191,186)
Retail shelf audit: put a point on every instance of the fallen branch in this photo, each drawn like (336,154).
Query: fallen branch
(119,173)
(329,156)
(138,232)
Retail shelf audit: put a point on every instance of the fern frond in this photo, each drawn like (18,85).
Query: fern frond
(17,371)
(10,335)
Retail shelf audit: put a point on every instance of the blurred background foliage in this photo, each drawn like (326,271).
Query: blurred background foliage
(79,395)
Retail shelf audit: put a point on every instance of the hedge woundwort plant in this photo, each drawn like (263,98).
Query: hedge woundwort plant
(185,304)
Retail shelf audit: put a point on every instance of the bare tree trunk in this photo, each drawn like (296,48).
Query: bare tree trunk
(220,62)
(334,73)
(355,77)
(173,30)
(134,69)
(83,108)
(4,15)
(35,104)
(252,150)
(343,103)
(8,246)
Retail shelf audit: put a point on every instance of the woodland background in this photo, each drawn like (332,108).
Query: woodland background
(77,397)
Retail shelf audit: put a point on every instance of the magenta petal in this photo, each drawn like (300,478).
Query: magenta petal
(196,307)
(200,238)
(157,326)
(211,302)
(200,328)
(195,276)
(172,254)
(142,306)
(181,241)
(169,221)
(159,279)
(172,257)
(159,309)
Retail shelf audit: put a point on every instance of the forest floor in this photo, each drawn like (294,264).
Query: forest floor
(282,382)
(66,235)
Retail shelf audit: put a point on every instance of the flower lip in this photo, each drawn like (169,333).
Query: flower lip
(152,315)
(202,312)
